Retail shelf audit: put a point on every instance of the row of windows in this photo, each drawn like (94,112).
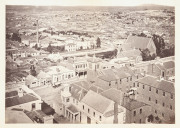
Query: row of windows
(162,113)
(81,66)
(66,76)
(140,111)
(94,114)
(157,91)
(163,104)
(76,101)
(121,81)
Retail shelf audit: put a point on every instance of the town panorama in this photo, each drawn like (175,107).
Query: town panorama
(90,65)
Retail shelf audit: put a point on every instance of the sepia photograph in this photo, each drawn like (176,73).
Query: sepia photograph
(90,62)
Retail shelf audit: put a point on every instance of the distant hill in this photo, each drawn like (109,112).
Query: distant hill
(87,8)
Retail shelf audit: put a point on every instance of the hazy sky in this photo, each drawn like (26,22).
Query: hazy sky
(91,2)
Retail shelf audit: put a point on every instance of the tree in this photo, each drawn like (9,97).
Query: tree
(159,43)
(146,56)
(33,71)
(49,48)
(82,39)
(98,42)
(16,37)
(115,52)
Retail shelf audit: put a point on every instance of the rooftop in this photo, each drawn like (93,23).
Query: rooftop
(169,64)
(20,100)
(138,42)
(113,94)
(132,104)
(163,85)
(101,103)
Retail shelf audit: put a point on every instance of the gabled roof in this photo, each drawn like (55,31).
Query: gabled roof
(83,84)
(20,100)
(96,89)
(148,80)
(42,75)
(131,53)
(12,116)
(163,85)
(113,94)
(169,64)
(97,101)
(138,42)
(77,92)
(166,86)
(161,67)
(131,104)
(30,79)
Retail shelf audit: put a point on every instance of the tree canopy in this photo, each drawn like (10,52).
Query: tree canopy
(146,56)
(98,42)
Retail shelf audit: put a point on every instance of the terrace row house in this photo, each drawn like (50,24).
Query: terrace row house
(61,74)
(109,107)
(121,78)
(163,69)
(22,98)
(160,94)
(80,65)
(42,79)
(86,110)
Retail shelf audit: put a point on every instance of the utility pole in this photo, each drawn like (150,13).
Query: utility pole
(37,31)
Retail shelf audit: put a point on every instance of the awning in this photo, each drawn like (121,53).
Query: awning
(72,109)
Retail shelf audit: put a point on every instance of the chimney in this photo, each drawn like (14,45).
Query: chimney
(48,119)
(20,92)
(37,32)
(115,121)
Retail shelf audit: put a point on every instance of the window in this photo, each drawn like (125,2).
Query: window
(140,121)
(120,81)
(100,118)
(127,79)
(157,91)
(171,107)
(163,114)
(134,113)
(137,84)
(133,84)
(171,96)
(140,111)
(156,101)
(33,106)
(88,110)
(156,111)
(143,86)
(94,114)
(163,104)
(131,78)
(149,88)
(149,98)
(83,107)
(109,83)
(163,93)
(137,77)
(67,100)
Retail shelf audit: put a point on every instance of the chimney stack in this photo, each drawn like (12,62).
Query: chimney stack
(20,92)
(48,119)
(115,121)
(37,32)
